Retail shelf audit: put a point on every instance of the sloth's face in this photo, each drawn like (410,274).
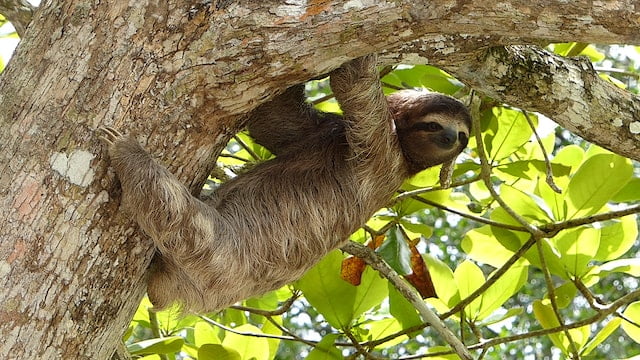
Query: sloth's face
(432,128)
(433,139)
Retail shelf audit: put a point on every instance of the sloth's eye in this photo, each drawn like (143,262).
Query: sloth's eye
(428,126)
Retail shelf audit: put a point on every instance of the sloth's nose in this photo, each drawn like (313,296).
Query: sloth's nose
(447,138)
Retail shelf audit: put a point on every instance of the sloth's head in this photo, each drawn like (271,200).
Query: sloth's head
(432,128)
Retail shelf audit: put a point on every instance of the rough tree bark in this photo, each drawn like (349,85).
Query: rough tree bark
(180,74)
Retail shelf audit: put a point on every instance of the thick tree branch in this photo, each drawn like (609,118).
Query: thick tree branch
(18,12)
(566,90)
(180,75)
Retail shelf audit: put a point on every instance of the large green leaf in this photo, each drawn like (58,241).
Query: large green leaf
(443,280)
(379,329)
(509,132)
(628,266)
(424,76)
(617,237)
(602,335)
(204,333)
(632,312)
(629,193)
(371,292)
(498,293)
(402,309)
(327,292)
(482,245)
(338,301)
(576,248)
(165,345)
(594,184)
(543,312)
(217,352)
(468,278)
(551,258)
(248,347)
(528,206)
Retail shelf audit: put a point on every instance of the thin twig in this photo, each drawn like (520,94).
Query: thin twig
(427,315)
(552,298)
(155,330)
(470,216)
(243,333)
(551,230)
(405,194)
(491,280)
(611,309)
(485,174)
(547,162)
(247,147)
(279,311)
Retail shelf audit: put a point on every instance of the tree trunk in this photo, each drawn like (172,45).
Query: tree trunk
(180,74)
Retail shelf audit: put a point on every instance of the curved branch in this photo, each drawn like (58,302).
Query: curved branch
(566,90)
(18,12)
(427,315)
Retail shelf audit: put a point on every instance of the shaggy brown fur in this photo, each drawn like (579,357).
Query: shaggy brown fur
(266,227)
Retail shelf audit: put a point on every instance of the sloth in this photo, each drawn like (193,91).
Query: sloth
(266,227)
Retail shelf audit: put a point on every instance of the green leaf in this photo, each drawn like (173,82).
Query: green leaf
(496,318)
(415,228)
(509,132)
(327,292)
(371,292)
(204,333)
(402,309)
(443,280)
(468,278)
(531,169)
(498,293)
(217,352)
(269,328)
(617,237)
(629,266)
(629,193)
(551,257)
(483,246)
(565,294)
(593,185)
(168,345)
(577,247)
(338,301)
(528,206)
(602,335)
(378,329)
(395,252)
(326,350)
(543,312)
(257,348)
(424,76)
(632,312)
